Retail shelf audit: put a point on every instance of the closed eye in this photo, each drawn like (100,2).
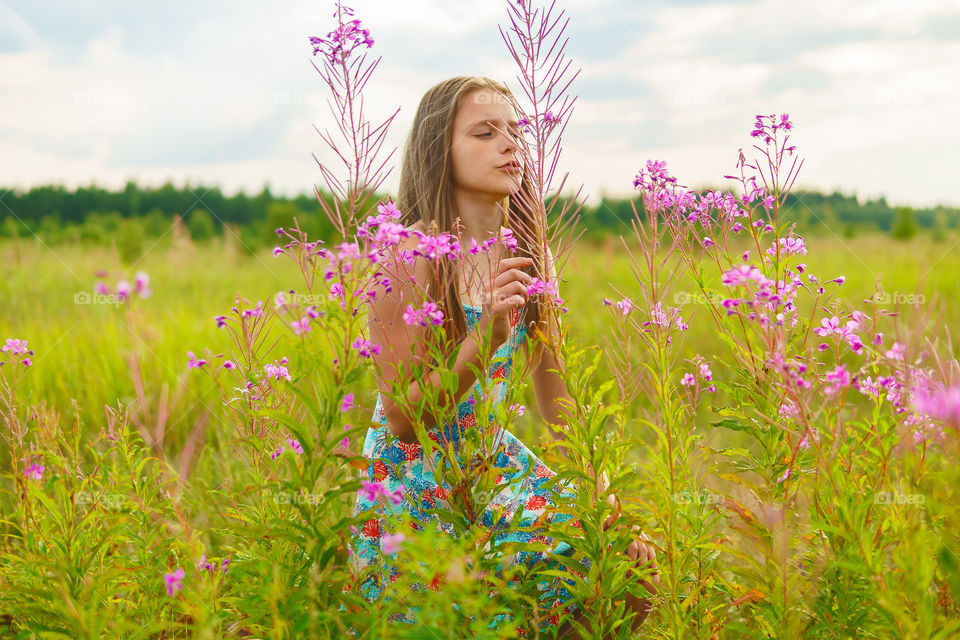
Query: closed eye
(515,135)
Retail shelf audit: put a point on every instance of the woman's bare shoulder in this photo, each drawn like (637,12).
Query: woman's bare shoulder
(417,226)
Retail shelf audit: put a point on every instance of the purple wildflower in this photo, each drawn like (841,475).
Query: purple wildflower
(174,581)
(15,346)
(301,326)
(625,306)
(429,314)
(34,472)
(193,362)
(839,378)
(277,369)
(508,240)
(365,348)
(391,542)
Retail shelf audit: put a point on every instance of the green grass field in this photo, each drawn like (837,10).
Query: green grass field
(93,353)
(93,538)
(89,352)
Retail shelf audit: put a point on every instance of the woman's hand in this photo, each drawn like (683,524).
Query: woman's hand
(640,551)
(508,292)
(602,483)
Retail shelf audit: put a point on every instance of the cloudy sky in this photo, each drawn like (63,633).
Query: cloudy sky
(224,93)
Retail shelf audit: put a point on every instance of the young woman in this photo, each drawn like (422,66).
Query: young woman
(462,163)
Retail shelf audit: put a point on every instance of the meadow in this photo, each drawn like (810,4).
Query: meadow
(183,432)
(145,474)
(92,353)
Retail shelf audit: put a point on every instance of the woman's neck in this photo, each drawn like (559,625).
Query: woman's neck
(480,218)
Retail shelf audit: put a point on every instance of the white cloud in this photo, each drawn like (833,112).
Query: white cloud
(235,100)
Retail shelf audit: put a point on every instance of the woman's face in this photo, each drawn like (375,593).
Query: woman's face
(485,138)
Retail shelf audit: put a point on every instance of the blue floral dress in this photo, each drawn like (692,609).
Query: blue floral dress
(403,467)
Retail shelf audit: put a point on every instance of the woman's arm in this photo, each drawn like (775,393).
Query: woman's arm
(403,346)
(548,384)
(551,392)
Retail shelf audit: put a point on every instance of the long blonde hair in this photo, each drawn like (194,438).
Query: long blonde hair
(426,195)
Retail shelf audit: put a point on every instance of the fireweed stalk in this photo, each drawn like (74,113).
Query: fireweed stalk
(815,396)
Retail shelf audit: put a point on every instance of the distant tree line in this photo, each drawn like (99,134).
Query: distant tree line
(97,215)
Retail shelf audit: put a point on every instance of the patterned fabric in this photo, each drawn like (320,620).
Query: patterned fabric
(404,467)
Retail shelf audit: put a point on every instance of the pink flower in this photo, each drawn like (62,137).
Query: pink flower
(789,246)
(203,565)
(301,326)
(895,352)
(295,445)
(827,327)
(429,314)
(347,403)
(518,409)
(942,404)
(742,275)
(255,312)
(625,306)
(365,348)
(371,491)
(688,380)
(437,247)
(391,542)
(15,346)
(658,316)
(141,284)
(276,454)
(537,287)
(277,370)
(789,410)
(508,240)
(193,362)
(34,472)
(174,581)
(839,378)
(705,372)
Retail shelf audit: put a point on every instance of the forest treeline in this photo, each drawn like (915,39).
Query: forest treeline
(98,215)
